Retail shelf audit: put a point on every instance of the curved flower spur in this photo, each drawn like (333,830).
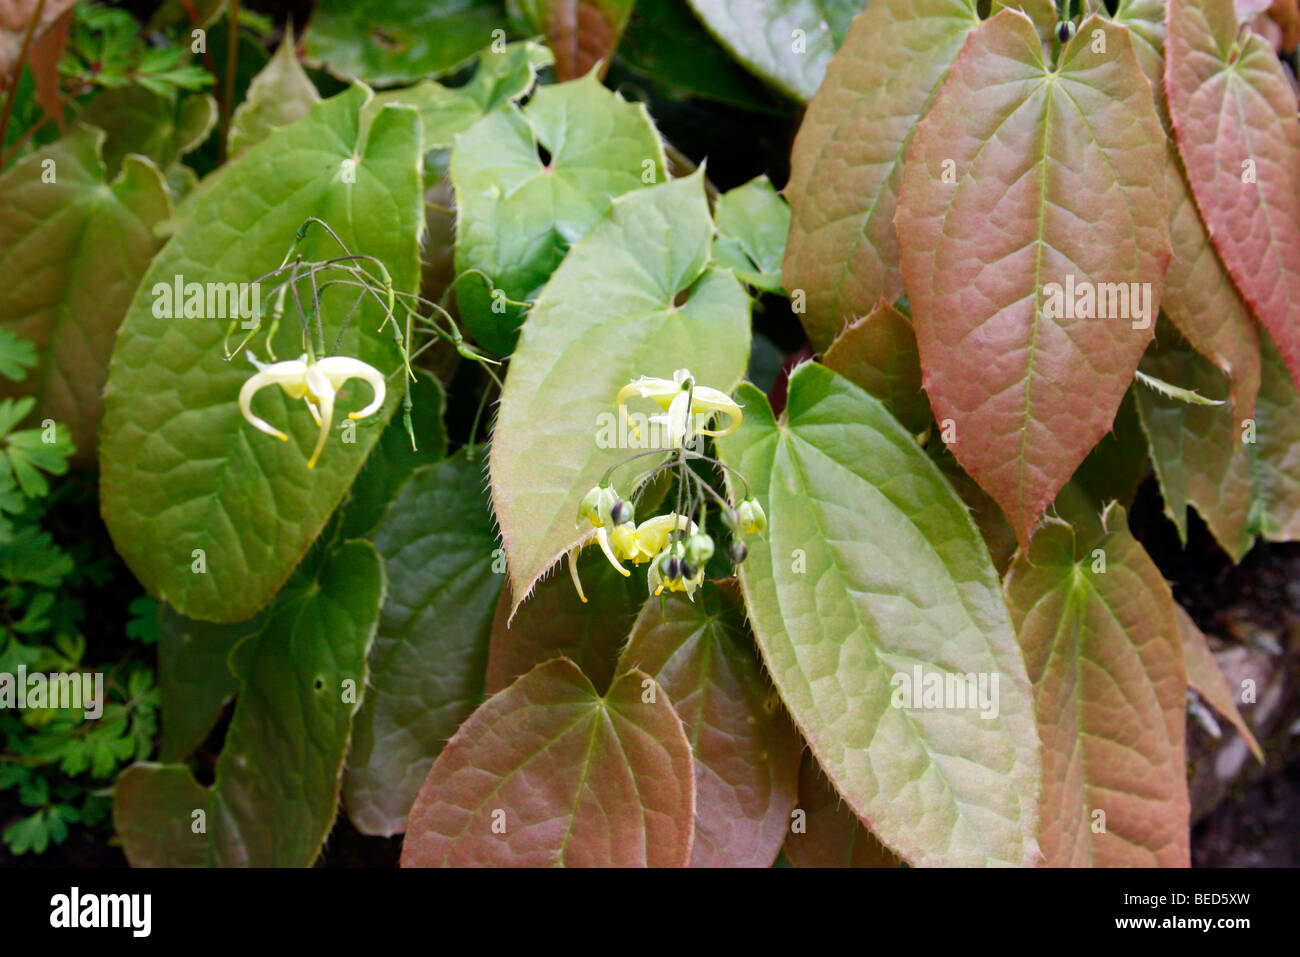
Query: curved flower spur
(317,380)
(674,545)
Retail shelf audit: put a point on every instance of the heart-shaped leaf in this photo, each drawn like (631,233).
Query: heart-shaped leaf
(874,580)
(1034,268)
(549,773)
(437,542)
(241,508)
(1097,625)
(746,751)
(301,677)
(847,163)
(519,212)
(74,248)
(1234,116)
(614,311)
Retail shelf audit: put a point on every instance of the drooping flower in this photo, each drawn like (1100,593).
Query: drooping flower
(672,570)
(627,542)
(688,406)
(316,383)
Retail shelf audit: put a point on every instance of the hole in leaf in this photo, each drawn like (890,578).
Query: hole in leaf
(544,155)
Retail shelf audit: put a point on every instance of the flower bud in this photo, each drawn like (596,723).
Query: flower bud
(738,551)
(1065,30)
(699,549)
(622,512)
(751,517)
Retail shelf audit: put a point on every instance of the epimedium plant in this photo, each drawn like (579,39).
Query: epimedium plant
(891,610)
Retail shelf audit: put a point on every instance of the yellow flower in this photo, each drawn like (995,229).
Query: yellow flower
(688,408)
(631,543)
(314,382)
(671,571)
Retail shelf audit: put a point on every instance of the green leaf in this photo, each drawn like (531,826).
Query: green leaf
(667,44)
(746,751)
(301,677)
(786,42)
(278,96)
(847,164)
(193,677)
(581,32)
(831,835)
(73,251)
(518,216)
(576,779)
(163,127)
(391,42)
(1234,119)
(393,460)
(437,542)
(555,623)
(1029,383)
(612,312)
(16,357)
(182,469)
(1096,622)
(873,569)
(753,221)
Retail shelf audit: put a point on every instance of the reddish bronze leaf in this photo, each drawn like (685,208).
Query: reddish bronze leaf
(746,750)
(581,33)
(1097,626)
(878,354)
(847,163)
(1205,676)
(1032,196)
(549,773)
(1234,116)
(829,834)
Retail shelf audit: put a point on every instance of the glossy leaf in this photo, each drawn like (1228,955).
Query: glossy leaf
(1097,625)
(391,42)
(581,32)
(1234,116)
(753,221)
(872,567)
(612,312)
(193,678)
(174,442)
(301,677)
(71,253)
(847,164)
(437,542)
(278,96)
(519,213)
(567,777)
(877,353)
(1059,182)
(829,835)
(746,751)
(556,623)
(1207,679)
(786,42)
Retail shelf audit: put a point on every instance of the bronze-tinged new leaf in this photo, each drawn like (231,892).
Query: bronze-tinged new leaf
(1098,630)
(550,773)
(878,354)
(829,834)
(847,163)
(1234,117)
(746,750)
(582,33)
(1206,678)
(1033,196)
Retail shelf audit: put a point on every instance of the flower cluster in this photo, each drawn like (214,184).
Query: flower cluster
(673,545)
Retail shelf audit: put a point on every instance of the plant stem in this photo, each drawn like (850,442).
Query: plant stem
(18,73)
(232,57)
